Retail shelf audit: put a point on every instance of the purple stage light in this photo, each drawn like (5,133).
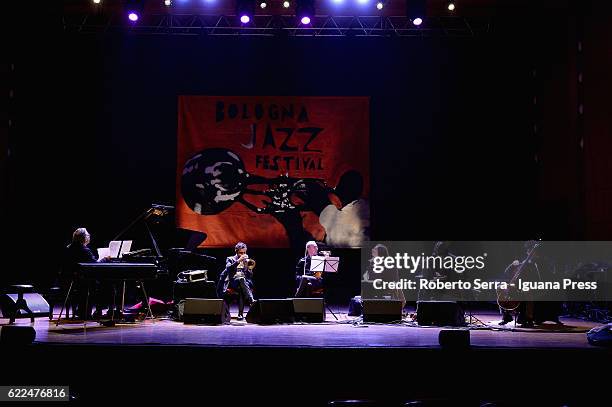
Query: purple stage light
(417,21)
(133,16)
(305,20)
(244,19)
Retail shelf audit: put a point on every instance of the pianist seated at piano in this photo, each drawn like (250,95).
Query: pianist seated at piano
(76,252)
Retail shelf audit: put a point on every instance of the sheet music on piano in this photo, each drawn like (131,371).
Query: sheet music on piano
(115,250)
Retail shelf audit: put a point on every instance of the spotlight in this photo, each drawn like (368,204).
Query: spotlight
(96,1)
(168,2)
(305,10)
(415,11)
(380,5)
(245,9)
(134,10)
(286,4)
(451,6)
(263,4)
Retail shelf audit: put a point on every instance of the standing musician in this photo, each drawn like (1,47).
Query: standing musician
(308,281)
(238,275)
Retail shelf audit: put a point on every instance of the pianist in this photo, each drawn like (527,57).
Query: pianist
(77,252)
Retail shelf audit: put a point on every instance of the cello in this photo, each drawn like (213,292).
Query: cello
(507,297)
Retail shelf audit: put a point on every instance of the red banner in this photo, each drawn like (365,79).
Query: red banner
(274,171)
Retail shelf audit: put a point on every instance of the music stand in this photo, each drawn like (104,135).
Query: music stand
(325,264)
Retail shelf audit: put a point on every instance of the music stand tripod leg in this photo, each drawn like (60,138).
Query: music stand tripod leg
(330,310)
(326,305)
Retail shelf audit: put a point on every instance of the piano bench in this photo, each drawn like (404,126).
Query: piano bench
(21,303)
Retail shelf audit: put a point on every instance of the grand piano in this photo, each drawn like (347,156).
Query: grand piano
(144,264)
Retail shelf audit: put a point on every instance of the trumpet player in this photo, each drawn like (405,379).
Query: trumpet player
(237,276)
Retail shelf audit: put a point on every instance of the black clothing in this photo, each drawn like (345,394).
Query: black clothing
(239,280)
(306,280)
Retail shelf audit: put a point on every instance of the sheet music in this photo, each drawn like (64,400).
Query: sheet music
(119,247)
(103,252)
(324,263)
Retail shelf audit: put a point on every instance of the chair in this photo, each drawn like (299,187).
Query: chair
(55,296)
(230,295)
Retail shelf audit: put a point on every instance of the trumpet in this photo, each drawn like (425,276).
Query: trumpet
(247,263)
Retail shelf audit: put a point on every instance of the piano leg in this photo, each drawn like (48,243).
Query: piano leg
(64,305)
(122,300)
(86,311)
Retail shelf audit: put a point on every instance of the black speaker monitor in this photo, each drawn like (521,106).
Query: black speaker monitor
(309,309)
(205,311)
(271,311)
(440,313)
(454,338)
(17,335)
(382,310)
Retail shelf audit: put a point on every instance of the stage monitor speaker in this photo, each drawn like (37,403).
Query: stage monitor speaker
(454,338)
(271,311)
(17,335)
(205,311)
(36,303)
(382,310)
(309,309)
(440,313)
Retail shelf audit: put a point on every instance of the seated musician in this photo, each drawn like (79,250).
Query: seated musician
(79,252)
(530,312)
(237,276)
(388,275)
(308,281)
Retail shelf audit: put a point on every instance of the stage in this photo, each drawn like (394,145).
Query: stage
(165,360)
(346,332)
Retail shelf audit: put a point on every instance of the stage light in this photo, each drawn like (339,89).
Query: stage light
(415,11)
(305,10)
(168,2)
(263,4)
(245,9)
(363,1)
(380,5)
(97,1)
(134,9)
(286,4)
(451,6)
